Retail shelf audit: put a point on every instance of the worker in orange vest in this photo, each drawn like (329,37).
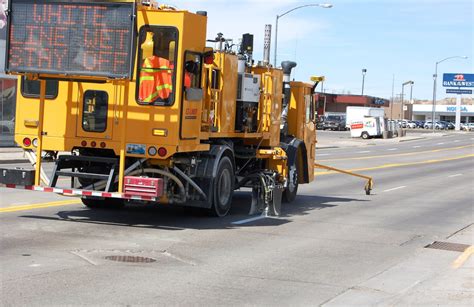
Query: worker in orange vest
(155,74)
(187,74)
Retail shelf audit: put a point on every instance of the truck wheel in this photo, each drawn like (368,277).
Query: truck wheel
(107,203)
(291,190)
(223,188)
(365,135)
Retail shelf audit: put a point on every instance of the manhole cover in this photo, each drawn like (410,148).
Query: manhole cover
(133,259)
(447,246)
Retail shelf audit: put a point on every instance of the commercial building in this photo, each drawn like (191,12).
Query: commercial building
(335,103)
(443,112)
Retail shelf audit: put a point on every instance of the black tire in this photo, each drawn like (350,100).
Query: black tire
(223,188)
(106,203)
(290,192)
(365,135)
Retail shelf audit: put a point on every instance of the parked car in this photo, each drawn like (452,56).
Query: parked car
(411,124)
(438,125)
(334,122)
(467,127)
(7,126)
(320,122)
(420,123)
(449,125)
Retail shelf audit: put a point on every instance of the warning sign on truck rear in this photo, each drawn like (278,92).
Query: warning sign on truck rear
(68,38)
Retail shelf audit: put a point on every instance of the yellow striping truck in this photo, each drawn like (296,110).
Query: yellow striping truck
(148,112)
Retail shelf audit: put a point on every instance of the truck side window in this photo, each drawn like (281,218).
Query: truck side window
(157,56)
(31,88)
(94,111)
(192,70)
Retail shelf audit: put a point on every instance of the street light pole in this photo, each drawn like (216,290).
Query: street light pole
(364,71)
(411,98)
(402,113)
(323,5)
(435,77)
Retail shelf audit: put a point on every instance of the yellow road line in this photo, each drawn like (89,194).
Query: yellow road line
(397,165)
(397,155)
(39,206)
(463,258)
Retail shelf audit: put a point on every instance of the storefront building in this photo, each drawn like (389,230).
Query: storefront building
(334,103)
(443,112)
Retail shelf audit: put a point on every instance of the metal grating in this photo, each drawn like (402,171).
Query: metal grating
(133,259)
(447,246)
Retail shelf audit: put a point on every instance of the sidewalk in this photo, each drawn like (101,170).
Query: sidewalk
(11,155)
(431,277)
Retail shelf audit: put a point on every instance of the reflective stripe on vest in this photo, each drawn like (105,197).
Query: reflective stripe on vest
(155,79)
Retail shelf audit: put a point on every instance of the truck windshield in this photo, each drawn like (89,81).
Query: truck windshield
(156,65)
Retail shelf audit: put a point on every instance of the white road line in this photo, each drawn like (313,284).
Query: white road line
(322,154)
(252,219)
(456,141)
(440,144)
(397,188)
(418,146)
(392,149)
(366,151)
(455,175)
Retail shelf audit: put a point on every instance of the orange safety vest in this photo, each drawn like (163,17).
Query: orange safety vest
(155,79)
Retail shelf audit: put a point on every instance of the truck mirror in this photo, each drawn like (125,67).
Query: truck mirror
(191,67)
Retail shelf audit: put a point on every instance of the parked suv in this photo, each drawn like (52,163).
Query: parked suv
(334,122)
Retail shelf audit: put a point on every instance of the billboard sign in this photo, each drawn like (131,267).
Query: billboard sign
(458,80)
(458,91)
(69,38)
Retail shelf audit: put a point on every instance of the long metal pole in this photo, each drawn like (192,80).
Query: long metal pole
(123,138)
(363,81)
(39,149)
(276,42)
(411,97)
(393,93)
(435,76)
(402,115)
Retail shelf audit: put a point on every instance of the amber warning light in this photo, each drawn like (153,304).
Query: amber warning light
(71,39)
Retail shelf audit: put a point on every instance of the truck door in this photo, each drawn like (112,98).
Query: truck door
(95,111)
(310,131)
(192,96)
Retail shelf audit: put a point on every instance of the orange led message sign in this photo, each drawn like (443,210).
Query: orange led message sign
(70,38)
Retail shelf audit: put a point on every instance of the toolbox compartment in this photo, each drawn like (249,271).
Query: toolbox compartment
(143,186)
(18,176)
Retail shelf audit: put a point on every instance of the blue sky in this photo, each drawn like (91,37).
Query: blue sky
(402,38)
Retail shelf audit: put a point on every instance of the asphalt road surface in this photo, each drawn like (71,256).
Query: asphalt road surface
(333,246)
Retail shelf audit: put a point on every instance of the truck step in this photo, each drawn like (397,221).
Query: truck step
(75,163)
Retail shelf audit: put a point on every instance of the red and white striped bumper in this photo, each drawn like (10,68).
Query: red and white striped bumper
(72,192)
